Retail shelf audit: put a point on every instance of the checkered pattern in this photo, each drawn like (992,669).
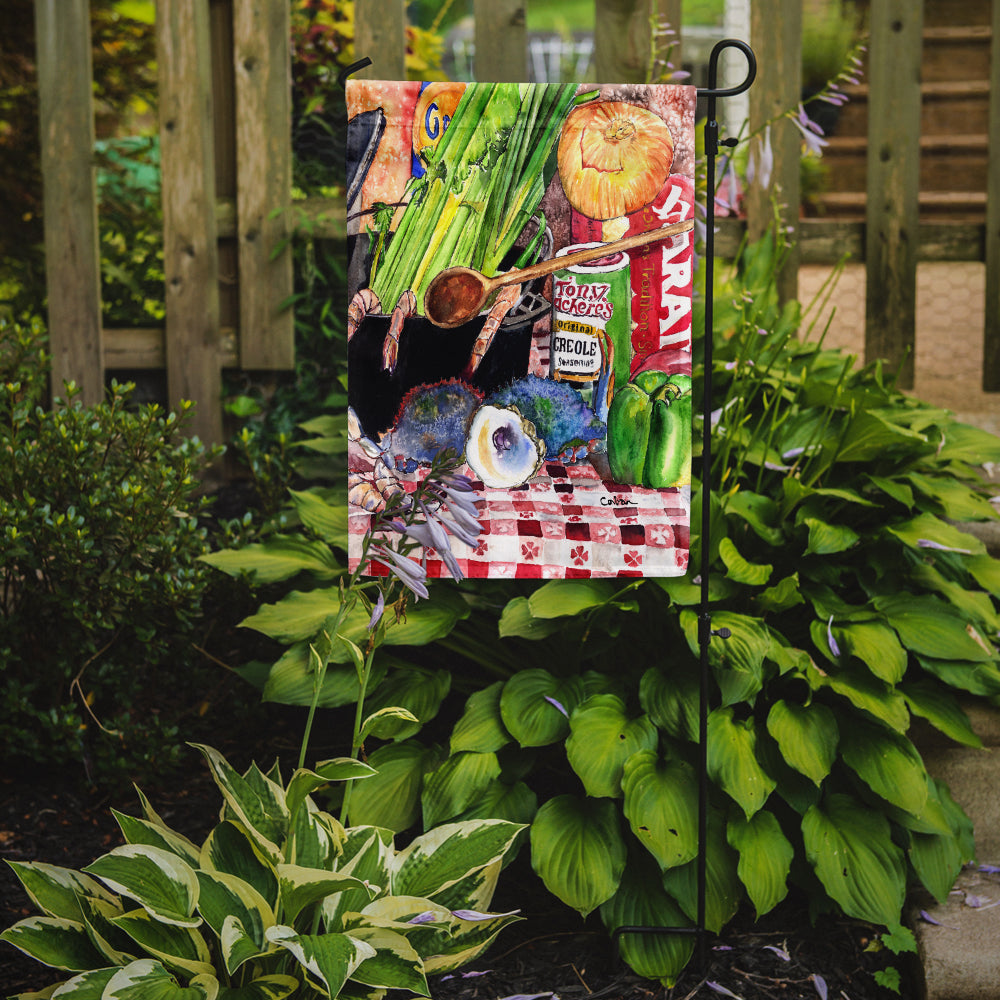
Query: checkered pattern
(566,523)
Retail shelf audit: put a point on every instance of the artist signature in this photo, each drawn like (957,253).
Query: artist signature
(615,501)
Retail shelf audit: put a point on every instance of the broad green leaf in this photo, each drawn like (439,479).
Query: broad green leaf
(578,851)
(661,799)
(602,738)
(535,706)
(965,443)
(516,803)
(936,704)
(827,539)
(273,987)
(328,520)
(671,699)
(56,891)
(888,763)
(986,571)
(301,887)
(230,849)
(976,678)
(279,558)
(765,858)
(395,964)
(163,884)
(876,646)
(893,488)
(330,959)
(559,598)
(438,859)
(54,941)
(418,690)
(517,620)
(640,901)
(738,661)
(732,760)
(456,784)
(850,848)
(391,798)
(931,628)
(758,511)
(928,528)
(739,569)
(807,736)
(869,436)
(976,605)
(481,728)
(783,595)
(147,979)
(291,680)
(86,986)
(225,897)
(866,692)
(937,857)
(181,948)
(142,831)
(957,501)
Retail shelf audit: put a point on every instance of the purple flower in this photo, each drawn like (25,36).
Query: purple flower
(927,543)
(820,983)
(834,648)
(719,988)
(377,612)
(760,165)
(409,573)
(780,952)
(475,915)
(811,132)
(552,701)
(427,917)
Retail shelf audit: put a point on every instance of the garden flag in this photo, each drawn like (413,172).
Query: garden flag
(563,384)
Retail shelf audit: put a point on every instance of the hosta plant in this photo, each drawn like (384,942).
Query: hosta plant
(279,900)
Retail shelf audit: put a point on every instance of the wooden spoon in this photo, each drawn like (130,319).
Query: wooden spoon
(458,293)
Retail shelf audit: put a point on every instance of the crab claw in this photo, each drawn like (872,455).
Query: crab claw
(363,304)
(405,307)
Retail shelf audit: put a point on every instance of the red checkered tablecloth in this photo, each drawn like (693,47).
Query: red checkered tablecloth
(566,523)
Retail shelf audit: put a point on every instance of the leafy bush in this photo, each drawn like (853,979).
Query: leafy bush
(99,539)
(279,899)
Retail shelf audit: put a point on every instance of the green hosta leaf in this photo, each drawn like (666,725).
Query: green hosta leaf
(441,857)
(230,849)
(723,889)
(893,488)
(641,901)
(928,528)
(516,803)
(481,728)
(147,979)
(965,443)
(976,605)
(279,558)
(417,690)
(141,831)
(931,628)
(180,948)
(330,959)
(876,646)
(56,891)
(765,858)
(456,784)
(517,620)
(159,881)
(783,595)
(226,898)
(870,436)
(391,798)
(758,511)
(937,860)
(738,661)
(671,699)
(275,987)
(328,520)
(976,678)
(578,851)
(732,760)
(292,681)
(957,501)
(827,539)
(602,738)
(888,763)
(850,848)
(559,598)
(864,692)
(807,736)
(395,964)
(530,706)
(986,572)
(301,887)
(661,798)
(738,569)
(54,941)
(941,709)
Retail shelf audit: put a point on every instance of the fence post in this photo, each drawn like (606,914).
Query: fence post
(776,34)
(991,333)
(72,255)
(501,41)
(893,183)
(262,61)
(623,40)
(380,34)
(190,251)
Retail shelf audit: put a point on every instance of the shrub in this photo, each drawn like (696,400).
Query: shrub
(99,539)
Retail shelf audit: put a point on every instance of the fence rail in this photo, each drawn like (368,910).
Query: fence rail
(226,161)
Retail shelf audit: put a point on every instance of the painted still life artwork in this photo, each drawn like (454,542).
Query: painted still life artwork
(520,292)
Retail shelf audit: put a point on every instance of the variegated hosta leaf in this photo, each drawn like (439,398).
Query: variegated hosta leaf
(158,880)
(765,858)
(147,979)
(661,799)
(54,941)
(225,897)
(274,987)
(417,690)
(391,799)
(87,986)
(367,853)
(732,760)
(456,784)
(177,947)
(315,838)
(441,857)
(469,938)
(888,763)
(56,891)
(535,706)
(481,727)
(807,736)
(328,959)
(230,849)
(602,737)
(850,847)
(256,801)
(304,782)
(395,964)
(642,902)
(578,851)
(300,887)
(141,831)
(116,946)
(476,890)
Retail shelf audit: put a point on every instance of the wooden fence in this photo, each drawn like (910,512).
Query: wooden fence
(226,161)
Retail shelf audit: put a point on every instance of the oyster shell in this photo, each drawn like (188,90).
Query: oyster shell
(503,449)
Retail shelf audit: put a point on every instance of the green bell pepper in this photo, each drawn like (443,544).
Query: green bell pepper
(649,431)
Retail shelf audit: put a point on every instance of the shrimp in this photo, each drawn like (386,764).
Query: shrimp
(363,304)
(373,491)
(405,307)
(505,301)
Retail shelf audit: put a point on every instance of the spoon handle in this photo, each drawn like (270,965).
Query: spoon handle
(591,253)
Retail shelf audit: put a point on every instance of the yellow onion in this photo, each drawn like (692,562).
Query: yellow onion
(614,158)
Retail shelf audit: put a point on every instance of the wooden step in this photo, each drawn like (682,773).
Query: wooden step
(956,53)
(958,206)
(940,13)
(945,104)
